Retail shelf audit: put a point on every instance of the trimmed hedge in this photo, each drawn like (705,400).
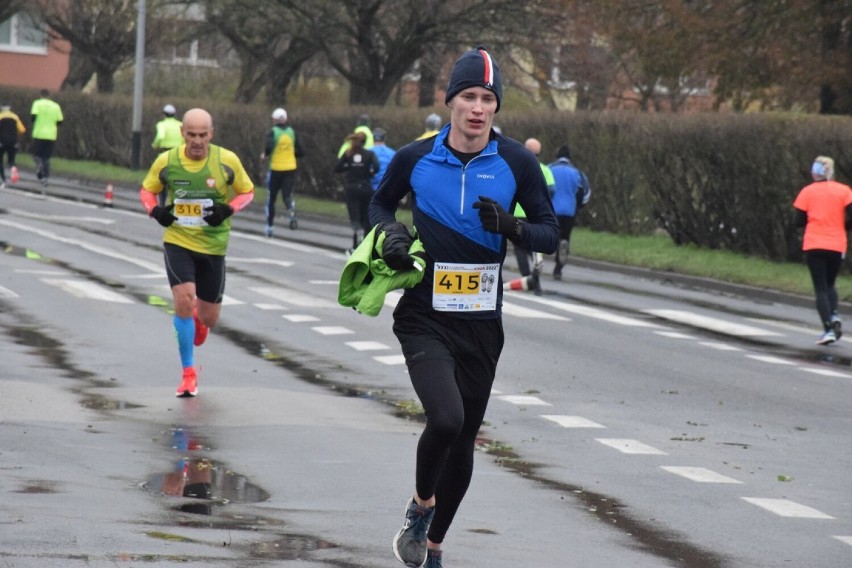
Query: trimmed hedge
(720,181)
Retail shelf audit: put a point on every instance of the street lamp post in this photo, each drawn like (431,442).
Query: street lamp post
(138,82)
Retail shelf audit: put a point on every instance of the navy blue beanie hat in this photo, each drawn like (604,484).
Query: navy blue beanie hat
(475,68)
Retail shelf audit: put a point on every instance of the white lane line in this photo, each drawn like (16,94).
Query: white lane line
(282,263)
(699,474)
(630,446)
(87,290)
(300,318)
(770,359)
(675,335)
(590,312)
(367,345)
(495,391)
(332,330)
(391,359)
(293,297)
(572,421)
(523,400)
(228,300)
(826,372)
(7,293)
(270,307)
(325,282)
(713,324)
(109,253)
(719,346)
(786,508)
(523,312)
(786,326)
(846,539)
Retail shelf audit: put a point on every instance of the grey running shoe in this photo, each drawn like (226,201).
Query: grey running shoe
(836,326)
(433,559)
(409,545)
(827,338)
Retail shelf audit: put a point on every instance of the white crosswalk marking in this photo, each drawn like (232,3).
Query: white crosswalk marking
(523,400)
(367,345)
(699,474)
(713,324)
(332,330)
(293,297)
(300,318)
(719,346)
(630,446)
(523,312)
(786,508)
(391,359)
(572,421)
(589,312)
(276,262)
(770,359)
(826,372)
(846,539)
(87,290)
(674,335)
(270,307)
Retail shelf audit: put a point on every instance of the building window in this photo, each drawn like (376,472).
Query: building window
(22,35)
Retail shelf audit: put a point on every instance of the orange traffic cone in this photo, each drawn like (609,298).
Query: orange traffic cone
(524,283)
(108,195)
(15,175)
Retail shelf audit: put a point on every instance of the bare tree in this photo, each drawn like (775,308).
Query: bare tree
(269,41)
(373,43)
(102,35)
(9,8)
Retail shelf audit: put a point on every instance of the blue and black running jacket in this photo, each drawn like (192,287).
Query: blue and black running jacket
(444,191)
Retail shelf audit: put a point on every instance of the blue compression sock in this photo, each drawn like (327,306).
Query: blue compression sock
(185,334)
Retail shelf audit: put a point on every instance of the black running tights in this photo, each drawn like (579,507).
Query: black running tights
(824,266)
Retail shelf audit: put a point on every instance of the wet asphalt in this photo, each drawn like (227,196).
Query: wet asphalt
(95,471)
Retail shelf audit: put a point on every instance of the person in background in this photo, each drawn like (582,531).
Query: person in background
(383,153)
(167,136)
(530,263)
(282,148)
(362,126)
(10,128)
(824,209)
(464,182)
(433,126)
(47,118)
(359,165)
(199,177)
(571,192)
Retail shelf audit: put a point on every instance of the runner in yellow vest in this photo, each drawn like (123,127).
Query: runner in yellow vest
(206,184)
(46,116)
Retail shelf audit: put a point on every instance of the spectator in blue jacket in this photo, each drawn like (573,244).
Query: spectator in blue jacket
(571,192)
(383,153)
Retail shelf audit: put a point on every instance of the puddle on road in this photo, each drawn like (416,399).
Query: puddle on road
(208,483)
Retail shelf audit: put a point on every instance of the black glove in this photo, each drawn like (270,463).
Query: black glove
(495,219)
(163,215)
(395,247)
(217,213)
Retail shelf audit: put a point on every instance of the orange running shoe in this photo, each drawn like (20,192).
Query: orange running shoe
(201,330)
(189,384)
